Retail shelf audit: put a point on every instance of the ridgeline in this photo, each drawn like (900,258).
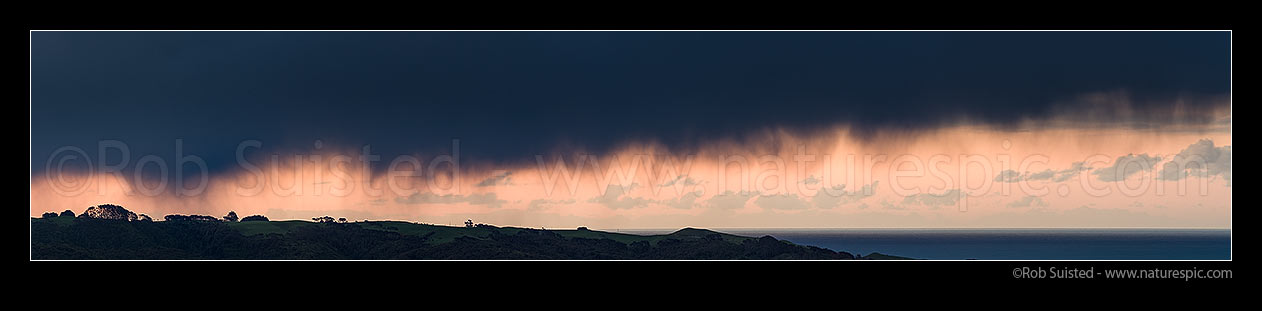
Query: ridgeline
(203,237)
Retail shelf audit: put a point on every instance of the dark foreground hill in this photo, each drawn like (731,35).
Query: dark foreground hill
(87,238)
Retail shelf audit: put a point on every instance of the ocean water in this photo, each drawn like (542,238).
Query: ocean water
(1014,244)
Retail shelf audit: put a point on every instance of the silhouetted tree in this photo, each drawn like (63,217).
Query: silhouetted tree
(468,223)
(177,217)
(49,215)
(67,213)
(144,217)
(231,217)
(108,211)
(323,219)
(341,220)
(254,218)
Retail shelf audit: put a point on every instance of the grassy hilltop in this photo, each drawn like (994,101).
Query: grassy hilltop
(89,238)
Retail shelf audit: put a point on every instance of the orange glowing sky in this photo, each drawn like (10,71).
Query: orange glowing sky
(652,129)
(771,180)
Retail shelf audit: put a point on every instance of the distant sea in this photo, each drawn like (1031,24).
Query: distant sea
(1010,244)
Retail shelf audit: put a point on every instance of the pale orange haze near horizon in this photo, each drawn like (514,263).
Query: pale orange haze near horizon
(1062,178)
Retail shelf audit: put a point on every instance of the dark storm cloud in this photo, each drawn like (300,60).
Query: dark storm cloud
(509,95)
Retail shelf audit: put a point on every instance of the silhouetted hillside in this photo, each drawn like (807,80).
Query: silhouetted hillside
(190,238)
